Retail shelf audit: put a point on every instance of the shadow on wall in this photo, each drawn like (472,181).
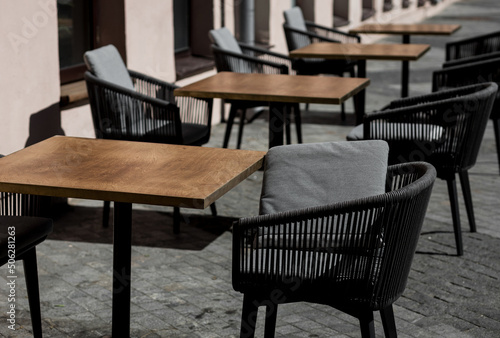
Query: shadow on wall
(44,124)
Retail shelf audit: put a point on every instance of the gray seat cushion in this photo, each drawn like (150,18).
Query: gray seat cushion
(223,38)
(295,19)
(307,175)
(107,64)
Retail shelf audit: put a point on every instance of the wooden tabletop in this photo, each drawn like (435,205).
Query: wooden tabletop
(359,51)
(131,172)
(410,29)
(275,88)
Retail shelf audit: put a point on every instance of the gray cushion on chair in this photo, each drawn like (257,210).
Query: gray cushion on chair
(295,19)
(223,38)
(306,175)
(107,64)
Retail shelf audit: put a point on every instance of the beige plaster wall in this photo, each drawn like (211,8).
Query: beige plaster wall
(149,33)
(29,80)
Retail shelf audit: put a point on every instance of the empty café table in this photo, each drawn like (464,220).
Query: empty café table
(363,52)
(126,172)
(278,90)
(406,30)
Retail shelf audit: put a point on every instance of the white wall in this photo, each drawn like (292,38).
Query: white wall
(29,80)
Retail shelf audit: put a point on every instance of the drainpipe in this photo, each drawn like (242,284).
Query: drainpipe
(247,21)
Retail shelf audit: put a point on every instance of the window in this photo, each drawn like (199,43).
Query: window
(76,35)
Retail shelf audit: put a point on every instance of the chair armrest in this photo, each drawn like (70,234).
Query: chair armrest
(332,33)
(313,37)
(471,59)
(241,63)
(267,55)
(147,85)
(476,45)
(487,70)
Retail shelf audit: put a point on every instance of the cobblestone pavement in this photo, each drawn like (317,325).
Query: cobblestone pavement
(181,284)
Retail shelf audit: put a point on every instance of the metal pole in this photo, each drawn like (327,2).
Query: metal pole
(247,21)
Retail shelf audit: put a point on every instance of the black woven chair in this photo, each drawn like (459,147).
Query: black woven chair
(127,105)
(443,128)
(471,70)
(233,56)
(477,45)
(300,33)
(20,226)
(353,255)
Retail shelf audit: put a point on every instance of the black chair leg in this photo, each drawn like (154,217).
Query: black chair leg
(452,192)
(213,209)
(248,318)
(271,315)
(496,128)
(464,182)
(240,129)
(298,122)
(388,322)
(229,125)
(288,121)
(177,220)
(31,276)
(367,326)
(105,214)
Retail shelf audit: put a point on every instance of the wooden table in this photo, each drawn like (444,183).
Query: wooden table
(406,30)
(363,52)
(278,90)
(126,173)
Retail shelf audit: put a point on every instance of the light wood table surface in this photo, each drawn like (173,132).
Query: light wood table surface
(126,172)
(406,30)
(363,52)
(278,90)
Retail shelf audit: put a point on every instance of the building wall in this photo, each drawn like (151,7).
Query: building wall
(29,81)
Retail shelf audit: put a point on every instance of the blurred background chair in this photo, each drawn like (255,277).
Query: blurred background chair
(300,33)
(342,233)
(17,218)
(443,128)
(472,70)
(233,56)
(473,46)
(127,105)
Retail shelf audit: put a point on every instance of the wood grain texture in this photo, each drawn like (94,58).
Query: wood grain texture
(409,29)
(121,171)
(275,88)
(359,51)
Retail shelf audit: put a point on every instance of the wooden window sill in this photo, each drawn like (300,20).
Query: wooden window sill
(73,94)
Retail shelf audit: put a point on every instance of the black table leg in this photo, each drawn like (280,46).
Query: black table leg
(359,99)
(122,254)
(276,122)
(405,72)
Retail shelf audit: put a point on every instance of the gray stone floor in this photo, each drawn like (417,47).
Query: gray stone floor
(181,284)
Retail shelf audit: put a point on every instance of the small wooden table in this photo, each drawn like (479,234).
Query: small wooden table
(363,52)
(278,90)
(406,30)
(126,172)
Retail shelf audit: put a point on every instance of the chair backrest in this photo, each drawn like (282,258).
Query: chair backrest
(307,175)
(443,128)
(295,19)
(223,38)
(293,25)
(477,45)
(463,74)
(106,64)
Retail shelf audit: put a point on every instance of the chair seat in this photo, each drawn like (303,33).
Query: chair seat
(193,133)
(29,231)
(415,132)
